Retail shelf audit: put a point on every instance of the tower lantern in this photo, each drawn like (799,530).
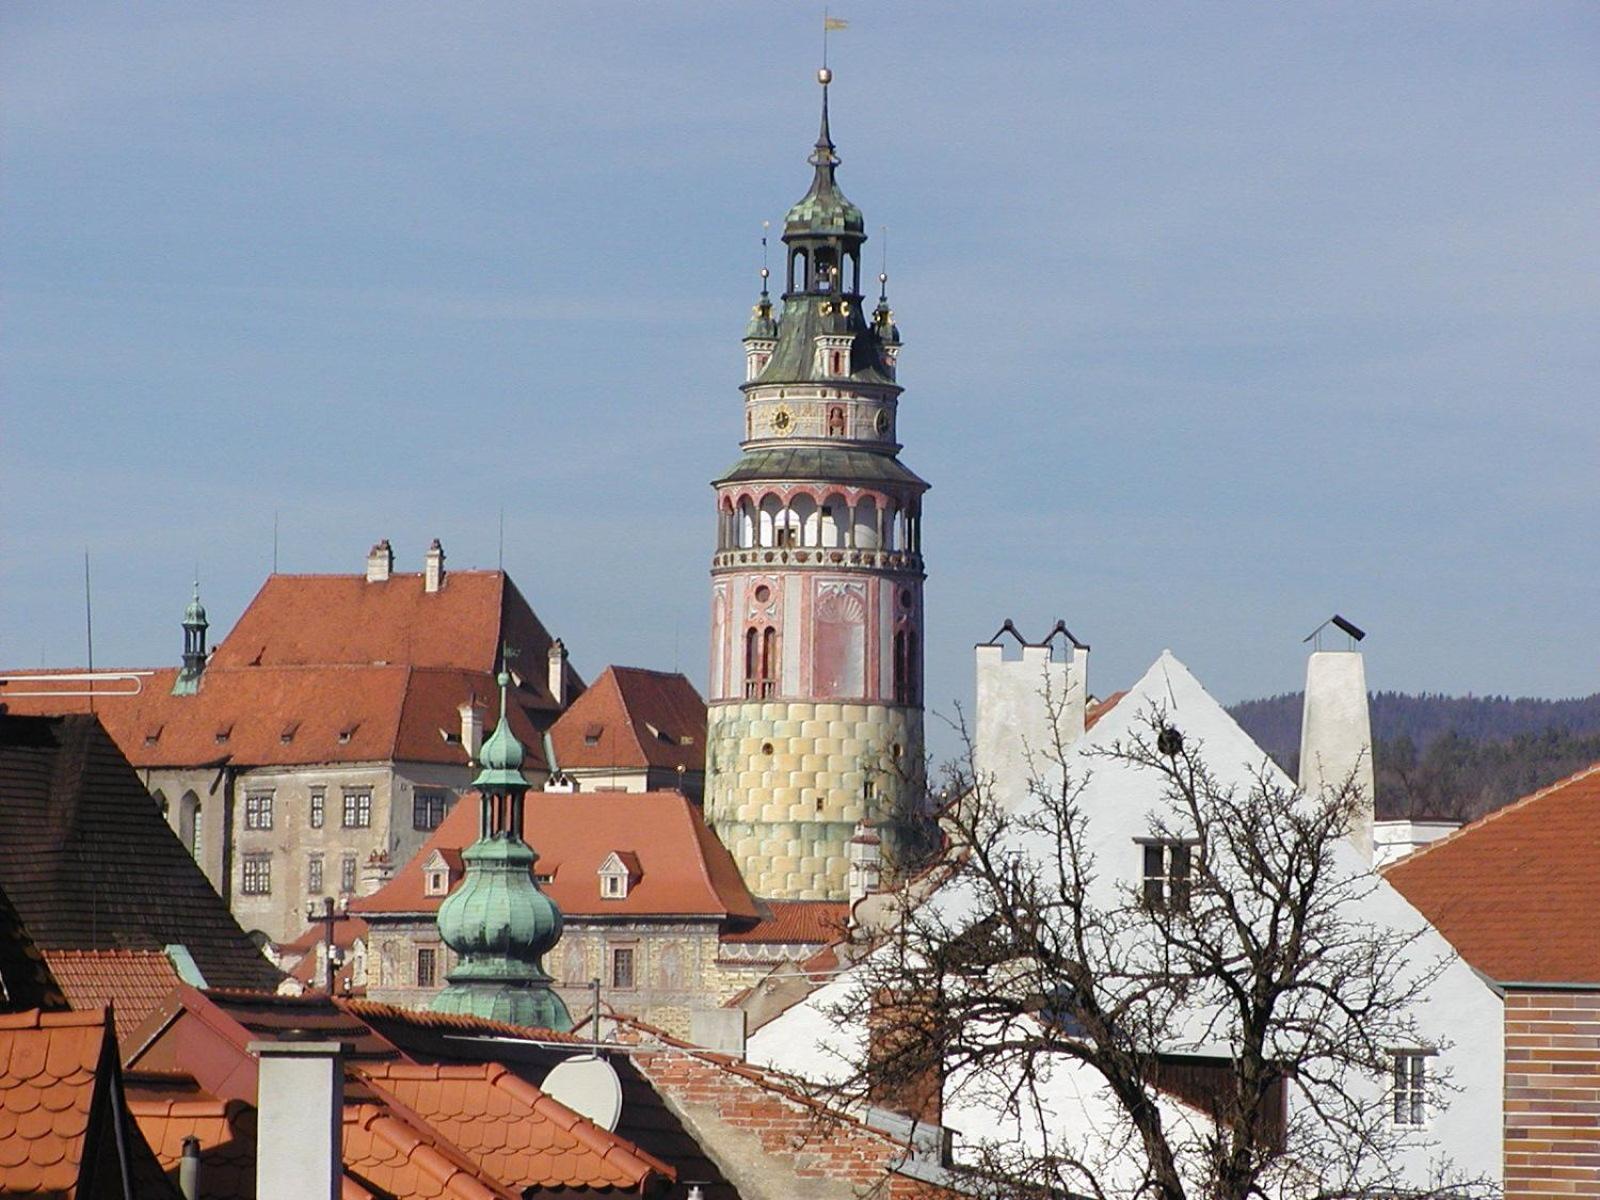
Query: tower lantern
(195,625)
(816,584)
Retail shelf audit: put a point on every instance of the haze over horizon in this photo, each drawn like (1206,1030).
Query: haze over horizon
(1217,321)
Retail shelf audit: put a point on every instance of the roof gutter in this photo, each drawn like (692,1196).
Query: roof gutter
(1502,986)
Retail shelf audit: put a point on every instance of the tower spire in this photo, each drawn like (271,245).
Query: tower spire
(498,921)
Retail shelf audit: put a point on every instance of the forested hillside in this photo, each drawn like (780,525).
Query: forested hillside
(1456,756)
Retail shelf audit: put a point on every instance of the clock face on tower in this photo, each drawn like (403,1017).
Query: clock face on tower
(881,422)
(782,419)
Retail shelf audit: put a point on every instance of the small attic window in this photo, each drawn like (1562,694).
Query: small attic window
(288,733)
(614,886)
(224,734)
(435,881)
(661,735)
(451,736)
(153,736)
(347,733)
(618,873)
(591,734)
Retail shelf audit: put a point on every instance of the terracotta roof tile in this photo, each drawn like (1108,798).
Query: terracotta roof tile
(170,1109)
(402,1160)
(633,718)
(89,862)
(814,922)
(1514,892)
(134,981)
(1100,708)
(512,1130)
(49,1064)
(685,870)
(383,1014)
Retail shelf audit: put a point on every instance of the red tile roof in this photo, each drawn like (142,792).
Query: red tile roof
(402,1160)
(513,1131)
(684,869)
(633,718)
(813,922)
(1100,708)
(61,1134)
(169,1109)
(134,981)
(1514,892)
(382,1016)
(331,668)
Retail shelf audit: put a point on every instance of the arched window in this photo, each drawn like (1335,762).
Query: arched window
(797,271)
(834,516)
(836,416)
(189,824)
(866,524)
(760,661)
(902,667)
(771,514)
(747,524)
(803,511)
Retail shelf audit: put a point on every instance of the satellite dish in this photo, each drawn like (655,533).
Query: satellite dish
(588,1085)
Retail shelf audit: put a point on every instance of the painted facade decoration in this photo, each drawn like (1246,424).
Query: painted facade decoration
(815,696)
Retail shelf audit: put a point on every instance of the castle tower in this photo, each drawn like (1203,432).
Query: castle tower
(816,584)
(498,921)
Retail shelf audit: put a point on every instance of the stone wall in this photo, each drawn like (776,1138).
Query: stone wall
(789,780)
(1552,1094)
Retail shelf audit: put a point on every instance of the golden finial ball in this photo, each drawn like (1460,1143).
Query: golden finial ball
(824,77)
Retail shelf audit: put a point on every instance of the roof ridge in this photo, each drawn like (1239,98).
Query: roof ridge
(1483,821)
(38,1018)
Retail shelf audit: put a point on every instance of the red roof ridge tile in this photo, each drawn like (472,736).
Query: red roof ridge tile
(39,1019)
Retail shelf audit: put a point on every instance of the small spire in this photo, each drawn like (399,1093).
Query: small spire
(822,154)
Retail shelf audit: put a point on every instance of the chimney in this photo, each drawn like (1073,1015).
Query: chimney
(433,567)
(377,872)
(558,672)
(189,1169)
(905,1056)
(1336,734)
(380,562)
(471,728)
(1028,704)
(866,862)
(299,1119)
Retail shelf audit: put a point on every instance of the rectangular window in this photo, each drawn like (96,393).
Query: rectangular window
(314,875)
(347,874)
(357,808)
(256,879)
(1168,867)
(621,968)
(427,809)
(425,967)
(319,800)
(258,810)
(1410,1087)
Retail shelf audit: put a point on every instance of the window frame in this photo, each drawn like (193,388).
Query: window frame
(429,806)
(1174,888)
(348,872)
(314,876)
(255,873)
(1409,1079)
(361,800)
(615,957)
(317,814)
(258,810)
(432,961)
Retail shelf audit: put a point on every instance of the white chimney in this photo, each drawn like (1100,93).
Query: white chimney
(1026,707)
(1336,734)
(471,728)
(433,567)
(380,562)
(299,1119)
(558,672)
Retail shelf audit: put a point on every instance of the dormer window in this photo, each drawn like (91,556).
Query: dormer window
(436,876)
(618,874)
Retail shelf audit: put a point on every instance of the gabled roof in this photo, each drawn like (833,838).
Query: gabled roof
(633,718)
(797,922)
(1515,892)
(89,863)
(332,668)
(684,869)
(134,981)
(60,1124)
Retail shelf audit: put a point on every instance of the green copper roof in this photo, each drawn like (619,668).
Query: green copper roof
(195,614)
(794,359)
(501,755)
(762,323)
(832,463)
(824,210)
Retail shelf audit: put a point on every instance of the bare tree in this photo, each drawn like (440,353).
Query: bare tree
(1249,971)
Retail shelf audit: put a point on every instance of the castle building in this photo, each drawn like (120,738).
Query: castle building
(815,698)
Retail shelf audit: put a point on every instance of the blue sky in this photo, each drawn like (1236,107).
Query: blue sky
(1219,318)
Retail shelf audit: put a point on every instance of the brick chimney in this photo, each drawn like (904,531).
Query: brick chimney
(905,1056)
(380,562)
(471,727)
(299,1119)
(1336,734)
(558,672)
(433,567)
(377,872)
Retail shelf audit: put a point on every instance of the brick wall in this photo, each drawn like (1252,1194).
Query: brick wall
(1552,1098)
(797,1137)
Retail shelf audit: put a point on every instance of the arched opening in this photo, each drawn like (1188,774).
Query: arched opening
(797,270)
(803,511)
(760,661)
(827,270)
(189,828)
(769,661)
(836,421)
(785,527)
(831,521)
(771,514)
(865,524)
(890,526)
(752,660)
(747,523)
(905,658)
